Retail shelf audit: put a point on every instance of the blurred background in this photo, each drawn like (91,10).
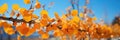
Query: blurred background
(107,10)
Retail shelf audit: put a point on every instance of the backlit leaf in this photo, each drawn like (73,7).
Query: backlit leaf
(3,8)
(15,7)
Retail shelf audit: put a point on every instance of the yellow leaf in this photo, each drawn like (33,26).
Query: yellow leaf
(74,12)
(63,16)
(57,33)
(94,18)
(56,15)
(27,18)
(34,16)
(8,28)
(3,8)
(9,31)
(81,14)
(27,1)
(64,26)
(76,19)
(45,35)
(44,14)
(15,7)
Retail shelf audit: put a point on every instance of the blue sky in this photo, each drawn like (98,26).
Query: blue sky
(99,7)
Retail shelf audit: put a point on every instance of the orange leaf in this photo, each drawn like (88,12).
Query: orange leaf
(27,1)
(74,12)
(45,35)
(22,29)
(30,32)
(40,32)
(37,5)
(36,26)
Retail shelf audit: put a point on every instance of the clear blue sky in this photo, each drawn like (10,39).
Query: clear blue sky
(99,7)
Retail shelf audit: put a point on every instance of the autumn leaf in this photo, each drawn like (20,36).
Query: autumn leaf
(15,7)
(27,1)
(35,16)
(94,18)
(8,28)
(36,26)
(44,13)
(30,32)
(3,8)
(27,18)
(9,31)
(23,11)
(57,33)
(81,14)
(37,5)
(75,19)
(45,36)
(22,29)
(56,15)
(74,12)
(63,16)
(40,31)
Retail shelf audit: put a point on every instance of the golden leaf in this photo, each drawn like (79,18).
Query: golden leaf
(57,33)
(44,14)
(56,15)
(15,7)
(75,19)
(63,16)
(81,14)
(3,8)
(23,11)
(45,36)
(94,18)
(74,12)
(27,1)
(34,16)
(8,28)
(27,18)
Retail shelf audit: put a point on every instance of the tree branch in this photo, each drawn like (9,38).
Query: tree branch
(15,19)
